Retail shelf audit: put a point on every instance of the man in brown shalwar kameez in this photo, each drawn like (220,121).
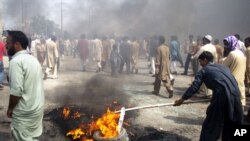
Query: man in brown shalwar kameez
(162,64)
(105,51)
(135,55)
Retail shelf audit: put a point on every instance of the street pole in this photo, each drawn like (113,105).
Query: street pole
(22,16)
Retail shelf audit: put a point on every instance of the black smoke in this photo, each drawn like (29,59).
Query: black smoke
(142,17)
(95,96)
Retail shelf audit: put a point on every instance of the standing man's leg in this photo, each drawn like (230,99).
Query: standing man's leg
(121,66)
(180,59)
(103,63)
(153,65)
(1,74)
(195,65)
(213,124)
(55,72)
(116,68)
(112,68)
(47,73)
(169,87)
(99,66)
(188,59)
(58,64)
(157,84)
(172,79)
(128,66)
(20,136)
(173,65)
(83,62)
(227,129)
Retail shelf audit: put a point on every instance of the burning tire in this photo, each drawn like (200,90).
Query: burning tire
(123,136)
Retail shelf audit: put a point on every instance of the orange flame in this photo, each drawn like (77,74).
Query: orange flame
(76,133)
(107,124)
(66,112)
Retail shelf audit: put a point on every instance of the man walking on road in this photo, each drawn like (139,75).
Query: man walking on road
(52,58)
(162,71)
(26,102)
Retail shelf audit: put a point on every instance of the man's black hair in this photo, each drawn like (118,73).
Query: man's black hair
(53,38)
(191,36)
(237,36)
(206,55)
(216,41)
(19,36)
(205,41)
(247,41)
(161,39)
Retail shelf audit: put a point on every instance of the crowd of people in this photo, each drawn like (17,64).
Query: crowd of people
(216,69)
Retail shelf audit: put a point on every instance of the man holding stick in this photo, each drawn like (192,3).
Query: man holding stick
(225,109)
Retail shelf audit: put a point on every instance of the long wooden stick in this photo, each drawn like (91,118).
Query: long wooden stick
(161,105)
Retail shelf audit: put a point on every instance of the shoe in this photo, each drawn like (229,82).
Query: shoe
(184,73)
(155,92)
(172,82)
(171,94)
(153,75)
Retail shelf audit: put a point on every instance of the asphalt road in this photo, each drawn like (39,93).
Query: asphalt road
(184,121)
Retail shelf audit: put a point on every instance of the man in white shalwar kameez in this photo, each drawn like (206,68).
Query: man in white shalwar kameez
(52,59)
(26,102)
(207,46)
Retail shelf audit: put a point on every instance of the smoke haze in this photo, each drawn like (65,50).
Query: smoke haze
(138,17)
(96,95)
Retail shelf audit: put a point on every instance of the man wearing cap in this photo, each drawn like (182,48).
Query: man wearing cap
(207,46)
(236,61)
